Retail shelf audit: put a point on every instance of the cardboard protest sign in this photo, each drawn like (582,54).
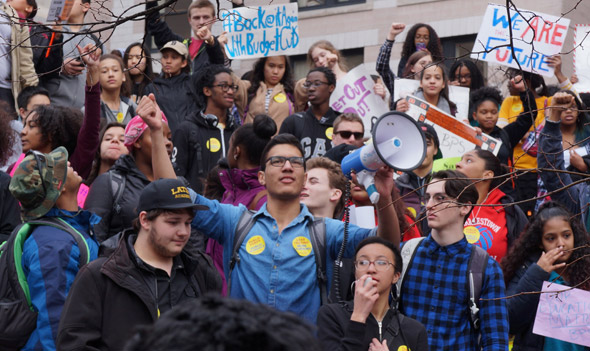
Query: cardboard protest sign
(455,136)
(564,314)
(354,94)
(536,36)
(582,58)
(458,95)
(261,31)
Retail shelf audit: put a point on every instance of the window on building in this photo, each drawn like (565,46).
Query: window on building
(177,19)
(320,4)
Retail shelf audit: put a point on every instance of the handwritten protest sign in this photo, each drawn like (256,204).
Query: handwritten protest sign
(455,136)
(458,95)
(354,94)
(261,31)
(53,10)
(543,36)
(563,314)
(582,59)
(447,163)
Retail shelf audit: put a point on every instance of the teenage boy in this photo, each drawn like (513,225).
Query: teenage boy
(348,129)
(323,192)
(203,47)
(148,273)
(314,127)
(47,189)
(435,286)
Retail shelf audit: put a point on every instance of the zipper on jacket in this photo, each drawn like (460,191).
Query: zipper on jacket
(157,299)
(222,141)
(380,323)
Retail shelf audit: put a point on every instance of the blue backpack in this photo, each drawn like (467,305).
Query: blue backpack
(18,318)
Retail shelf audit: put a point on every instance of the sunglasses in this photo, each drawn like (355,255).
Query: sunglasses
(345,134)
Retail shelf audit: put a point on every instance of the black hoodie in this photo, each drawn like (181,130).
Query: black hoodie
(198,145)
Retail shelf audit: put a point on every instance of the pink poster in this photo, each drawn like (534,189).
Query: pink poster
(564,313)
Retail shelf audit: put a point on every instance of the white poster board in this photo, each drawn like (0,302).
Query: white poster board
(53,10)
(355,94)
(455,136)
(535,37)
(582,57)
(261,31)
(458,95)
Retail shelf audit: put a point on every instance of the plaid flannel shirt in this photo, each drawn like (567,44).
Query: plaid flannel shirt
(435,292)
(384,69)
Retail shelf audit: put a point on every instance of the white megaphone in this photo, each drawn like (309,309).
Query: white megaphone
(398,143)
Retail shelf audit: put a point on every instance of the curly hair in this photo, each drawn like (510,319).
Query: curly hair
(476,76)
(206,78)
(7,134)
(257,76)
(328,73)
(59,125)
(479,96)
(530,244)
(433,45)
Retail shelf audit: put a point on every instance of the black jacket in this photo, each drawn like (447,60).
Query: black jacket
(9,209)
(47,58)
(337,332)
(412,190)
(198,145)
(100,200)
(311,131)
(112,295)
(176,97)
(162,34)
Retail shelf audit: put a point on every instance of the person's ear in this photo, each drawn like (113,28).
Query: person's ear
(395,278)
(207,91)
(487,174)
(465,209)
(262,178)
(184,63)
(143,221)
(22,111)
(237,152)
(474,115)
(85,7)
(332,87)
(335,195)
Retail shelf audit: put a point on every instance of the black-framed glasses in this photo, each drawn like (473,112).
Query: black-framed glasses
(380,265)
(279,161)
(226,87)
(314,84)
(345,134)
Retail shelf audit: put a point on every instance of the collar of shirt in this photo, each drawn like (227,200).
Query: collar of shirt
(453,249)
(304,214)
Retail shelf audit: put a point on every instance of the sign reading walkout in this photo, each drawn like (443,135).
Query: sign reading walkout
(535,36)
(261,31)
(455,137)
(355,94)
(564,314)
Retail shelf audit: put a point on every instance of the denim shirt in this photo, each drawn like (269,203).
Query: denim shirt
(277,269)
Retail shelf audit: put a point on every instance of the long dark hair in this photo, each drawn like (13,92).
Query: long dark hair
(125,89)
(445,92)
(258,76)
(412,60)
(582,122)
(97,159)
(530,244)
(492,163)
(148,74)
(433,45)
(7,134)
(253,137)
(476,76)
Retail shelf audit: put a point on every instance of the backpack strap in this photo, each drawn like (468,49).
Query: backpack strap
(78,237)
(254,202)
(317,234)
(393,329)
(478,262)
(117,181)
(408,252)
(245,223)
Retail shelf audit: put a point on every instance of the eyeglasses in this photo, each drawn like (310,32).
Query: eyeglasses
(425,37)
(380,265)
(466,77)
(279,161)
(345,134)
(315,84)
(226,87)
(439,198)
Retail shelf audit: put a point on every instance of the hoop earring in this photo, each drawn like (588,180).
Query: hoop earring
(352,285)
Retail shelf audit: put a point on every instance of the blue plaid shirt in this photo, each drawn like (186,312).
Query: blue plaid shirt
(435,293)
(384,69)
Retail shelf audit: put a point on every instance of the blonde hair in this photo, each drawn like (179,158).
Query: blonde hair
(326,45)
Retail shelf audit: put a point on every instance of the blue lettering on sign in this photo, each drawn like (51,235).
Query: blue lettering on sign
(270,31)
(503,20)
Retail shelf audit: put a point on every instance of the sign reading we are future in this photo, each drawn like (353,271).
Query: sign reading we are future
(261,31)
(535,36)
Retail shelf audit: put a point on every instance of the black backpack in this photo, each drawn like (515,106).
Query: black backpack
(18,319)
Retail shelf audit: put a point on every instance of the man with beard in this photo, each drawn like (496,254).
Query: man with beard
(147,274)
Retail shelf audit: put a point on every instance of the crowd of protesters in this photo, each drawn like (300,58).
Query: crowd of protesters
(194,209)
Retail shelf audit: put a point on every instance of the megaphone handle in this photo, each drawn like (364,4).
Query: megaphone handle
(367,179)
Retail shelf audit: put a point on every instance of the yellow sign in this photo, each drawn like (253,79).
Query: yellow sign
(329,133)
(255,245)
(280,98)
(213,145)
(302,245)
(472,234)
(120,117)
(403,348)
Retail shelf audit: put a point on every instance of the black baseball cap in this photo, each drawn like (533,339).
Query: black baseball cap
(166,194)
(430,133)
